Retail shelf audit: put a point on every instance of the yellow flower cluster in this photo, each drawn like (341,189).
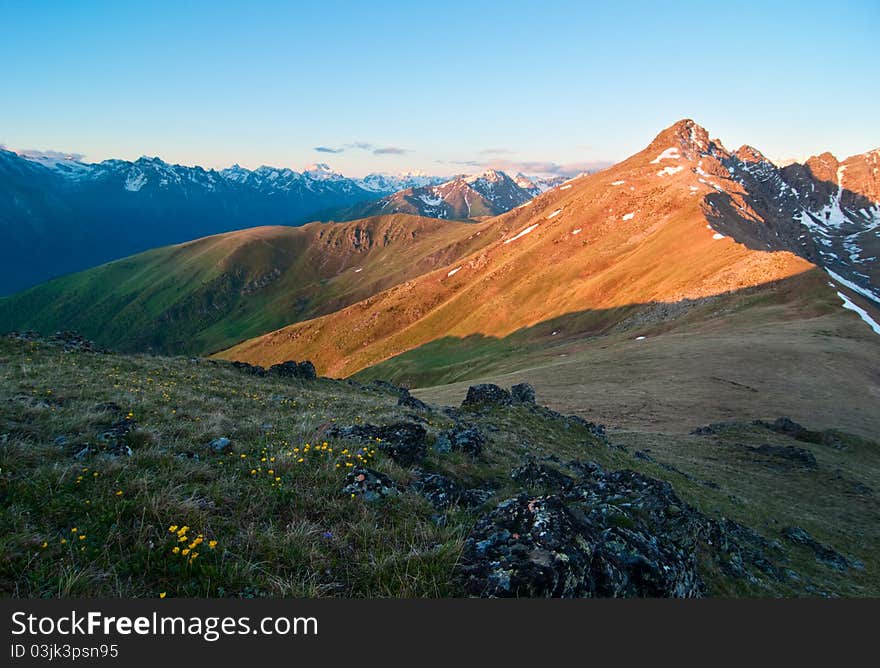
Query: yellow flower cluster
(188,544)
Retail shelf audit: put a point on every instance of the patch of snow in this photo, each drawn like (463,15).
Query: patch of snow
(135,180)
(554,214)
(565,187)
(628,216)
(358,270)
(453,272)
(577,231)
(522,234)
(863,314)
(718,236)
(670,170)
(852,286)
(618,183)
(640,338)
(668,154)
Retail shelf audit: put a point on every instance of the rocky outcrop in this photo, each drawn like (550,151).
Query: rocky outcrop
(486,394)
(604,534)
(404,442)
(824,554)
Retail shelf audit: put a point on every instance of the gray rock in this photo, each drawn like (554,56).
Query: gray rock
(368,484)
(221,445)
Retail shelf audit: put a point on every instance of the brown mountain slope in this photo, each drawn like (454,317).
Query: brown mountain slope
(634,236)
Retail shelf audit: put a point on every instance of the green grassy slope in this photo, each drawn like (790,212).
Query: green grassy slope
(98,524)
(208,294)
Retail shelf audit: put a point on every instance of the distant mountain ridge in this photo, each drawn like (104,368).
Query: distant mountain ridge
(488,193)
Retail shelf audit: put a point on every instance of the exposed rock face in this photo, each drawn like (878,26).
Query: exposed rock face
(824,554)
(368,484)
(411,402)
(609,534)
(536,475)
(404,442)
(486,395)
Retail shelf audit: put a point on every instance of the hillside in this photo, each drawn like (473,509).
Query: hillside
(141,476)
(682,243)
(204,295)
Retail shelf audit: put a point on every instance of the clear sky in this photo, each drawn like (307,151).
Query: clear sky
(436,86)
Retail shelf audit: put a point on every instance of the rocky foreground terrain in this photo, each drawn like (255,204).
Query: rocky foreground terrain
(154,476)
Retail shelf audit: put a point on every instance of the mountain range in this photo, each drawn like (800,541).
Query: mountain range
(59,214)
(683,238)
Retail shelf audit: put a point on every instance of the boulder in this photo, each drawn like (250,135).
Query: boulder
(486,395)
(532,474)
(221,445)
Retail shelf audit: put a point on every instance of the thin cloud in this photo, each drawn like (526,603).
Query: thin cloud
(497,151)
(390,150)
(327,149)
(362,145)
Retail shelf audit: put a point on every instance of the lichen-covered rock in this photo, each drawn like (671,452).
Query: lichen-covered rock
(486,394)
(114,439)
(605,534)
(439,490)
(522,393)
(251,369)
(463,438)
(368,484)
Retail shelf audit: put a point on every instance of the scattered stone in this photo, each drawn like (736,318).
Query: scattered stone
(404,442)
(522,393)
(221,445)
(824,554)
(465,438)
(291,369)
(61,441)
(368,484)
(486,395)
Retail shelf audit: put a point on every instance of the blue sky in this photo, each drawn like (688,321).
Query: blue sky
(440,87)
